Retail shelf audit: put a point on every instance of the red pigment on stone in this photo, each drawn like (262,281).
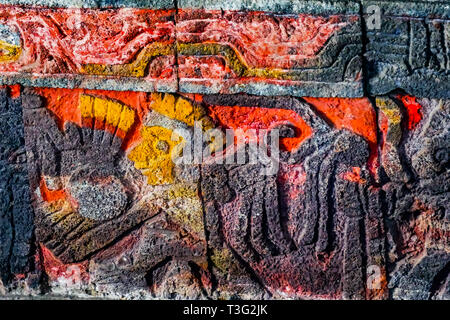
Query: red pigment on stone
(246,118)
(60,40)
(293,178)
(55,268)
(50,195)
(354,114)
(261,39)
(413,111)
(14,90)
(282,281)
(383,122)
(64,104)
(354,175)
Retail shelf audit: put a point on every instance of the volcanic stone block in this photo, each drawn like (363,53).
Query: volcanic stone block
(285,226)
(116,49)
(279,6)
(333,222)
(409,49)
(146,4)
(299,48)
(101,192)
(16,215)
(393,236)
(417,216)
(93,197)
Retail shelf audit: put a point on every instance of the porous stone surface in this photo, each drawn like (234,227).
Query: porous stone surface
(298,48)
(154,4)
(99,99)
(268,53)
(116,49)
(411,49)
(16,214)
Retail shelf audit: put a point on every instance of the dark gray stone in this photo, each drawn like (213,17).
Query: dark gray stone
(411,51)
(16,214)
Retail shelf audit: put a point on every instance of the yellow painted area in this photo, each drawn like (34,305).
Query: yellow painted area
(234,61)
(153,156)
(180,109)
(155,161)
(223,259)
(159,171)
(184,208)
(185,110)
(390,109)
(268,73)
(57,210)
(114,113)
(182,192)
(136,68)
(9,52)
(126,119)
(393,116)
(100,109)
(188,213)
(86,106)
(164,104)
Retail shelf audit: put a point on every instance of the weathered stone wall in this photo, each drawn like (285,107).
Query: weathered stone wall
(98,97)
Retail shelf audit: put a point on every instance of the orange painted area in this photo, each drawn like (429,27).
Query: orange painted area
(261,39)
(20,276)
(117,132)
(354,175)
(64,104)
(50,195)
(354,114)
(192,96)
(384,127)
(383,123)
(413,111)
(55,268)
(59,40)
(13,90)
(247,118)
